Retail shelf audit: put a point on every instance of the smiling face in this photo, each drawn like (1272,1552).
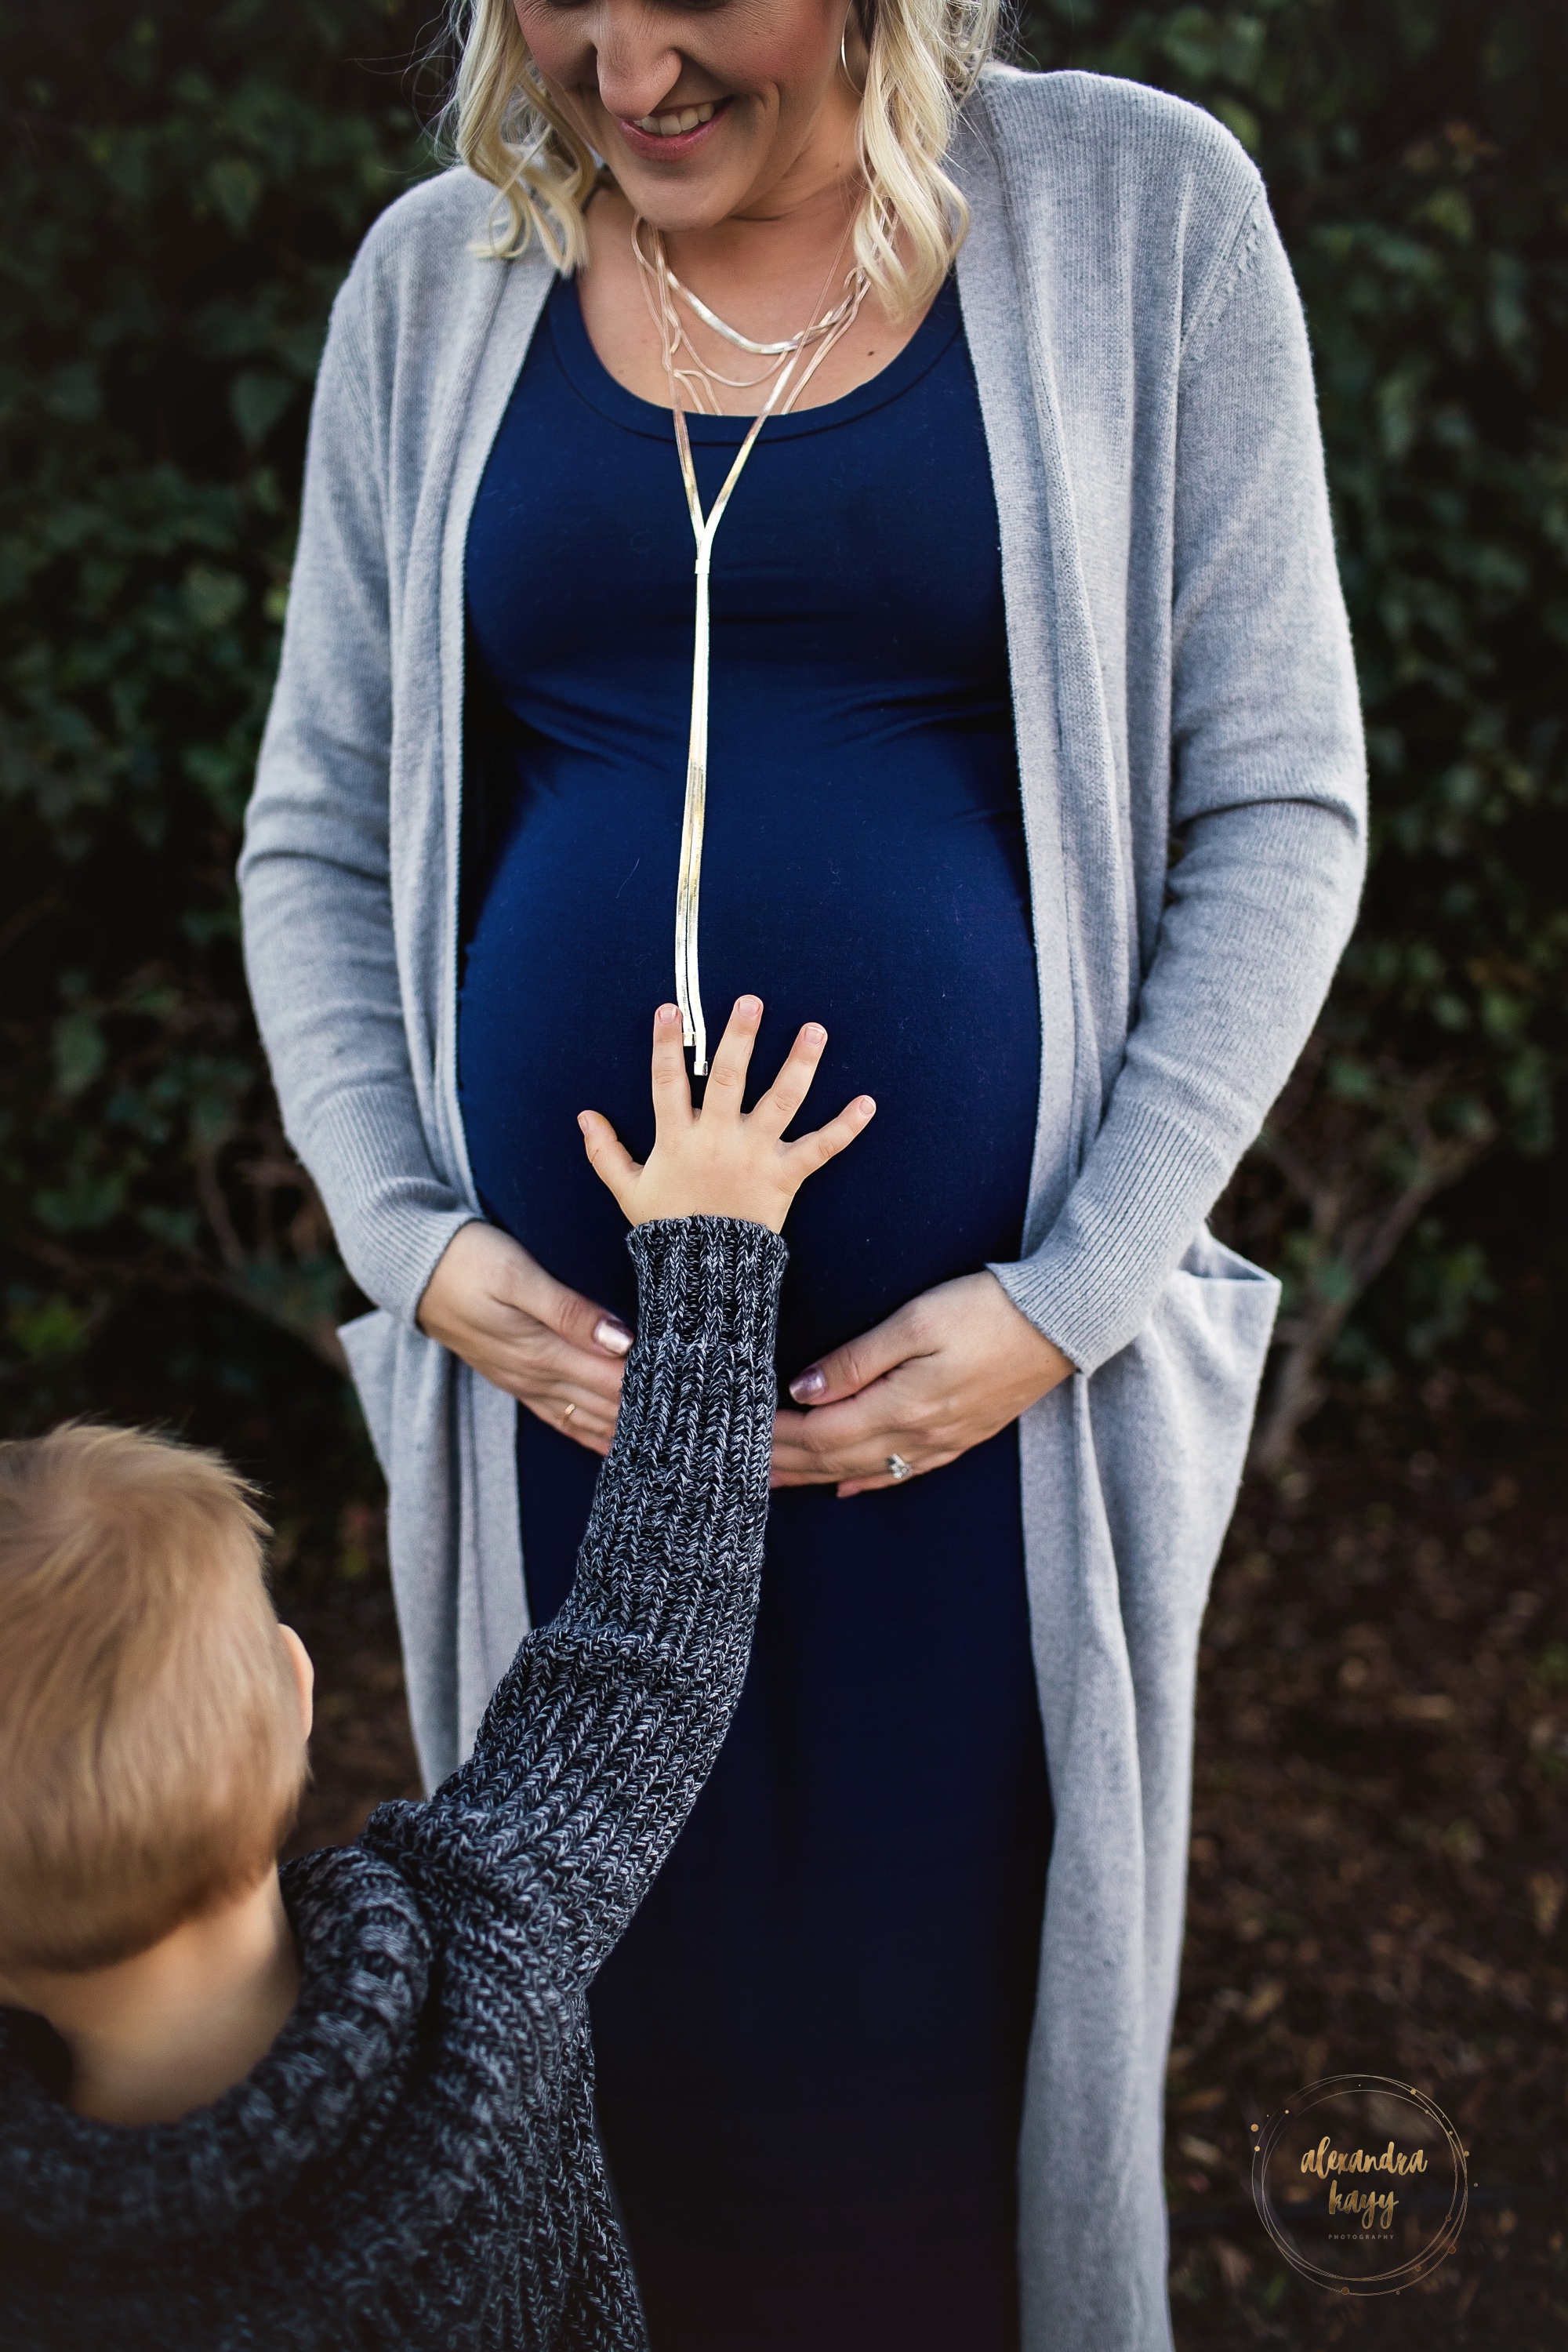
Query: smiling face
(701,113)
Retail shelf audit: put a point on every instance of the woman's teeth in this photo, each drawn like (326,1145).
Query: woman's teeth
(670,126)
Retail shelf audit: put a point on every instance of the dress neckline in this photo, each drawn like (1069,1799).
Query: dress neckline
(592,383)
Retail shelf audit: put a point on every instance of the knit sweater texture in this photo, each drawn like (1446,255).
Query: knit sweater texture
(413,2162)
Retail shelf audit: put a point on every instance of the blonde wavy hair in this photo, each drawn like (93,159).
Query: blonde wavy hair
(924,58)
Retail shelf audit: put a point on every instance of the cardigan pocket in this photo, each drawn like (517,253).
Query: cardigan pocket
(370,1343)
(1223,1307)
(1172,1414)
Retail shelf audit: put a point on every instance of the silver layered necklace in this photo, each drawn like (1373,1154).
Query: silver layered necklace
(694,385)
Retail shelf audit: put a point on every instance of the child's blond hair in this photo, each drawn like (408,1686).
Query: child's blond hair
(150,1753)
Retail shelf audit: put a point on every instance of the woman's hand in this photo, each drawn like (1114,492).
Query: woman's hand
(721,1160)
(944,1373)
(549,1347)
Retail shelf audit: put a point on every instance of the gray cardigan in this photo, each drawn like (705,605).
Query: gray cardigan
(1192,782)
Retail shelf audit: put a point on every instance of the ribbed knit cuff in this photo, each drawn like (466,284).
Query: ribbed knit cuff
(1095,1278)
(392,1214)
(706,1277)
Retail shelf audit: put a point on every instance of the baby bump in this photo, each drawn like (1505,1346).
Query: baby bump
(894,910)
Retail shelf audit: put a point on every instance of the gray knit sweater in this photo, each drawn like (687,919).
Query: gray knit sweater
(414,2161)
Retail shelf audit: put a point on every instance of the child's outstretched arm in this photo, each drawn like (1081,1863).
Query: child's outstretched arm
(595,1745)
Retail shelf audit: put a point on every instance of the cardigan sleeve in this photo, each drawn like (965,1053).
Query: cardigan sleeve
(315,873)
(595,1747)
(1267,815)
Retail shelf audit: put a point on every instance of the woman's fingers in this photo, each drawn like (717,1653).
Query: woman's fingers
(859,1362)
(582,1418)
(812,1151)
(530,1363)
(727,1071)
(540,1360)
(576,1389)
(577,1413)
(851,1442)
(968,1364)
(557,1352)
(608,1157)
(485,1282)
(580,1322)
(775,1109)
(871,1485)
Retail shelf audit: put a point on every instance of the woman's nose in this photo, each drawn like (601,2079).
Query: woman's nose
(636,66)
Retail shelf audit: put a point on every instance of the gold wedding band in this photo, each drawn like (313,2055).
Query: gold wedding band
(569,1412)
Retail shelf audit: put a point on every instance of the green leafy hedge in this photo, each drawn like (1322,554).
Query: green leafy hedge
(1416,158)
(183,188)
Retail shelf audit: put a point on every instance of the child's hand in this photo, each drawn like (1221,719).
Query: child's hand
(721,1161)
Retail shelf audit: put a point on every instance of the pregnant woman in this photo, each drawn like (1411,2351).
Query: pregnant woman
(863,1879)
(991,701)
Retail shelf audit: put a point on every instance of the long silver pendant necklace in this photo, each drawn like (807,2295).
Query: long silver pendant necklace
(692,383)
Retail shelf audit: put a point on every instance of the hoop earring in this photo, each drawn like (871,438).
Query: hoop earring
(859,87)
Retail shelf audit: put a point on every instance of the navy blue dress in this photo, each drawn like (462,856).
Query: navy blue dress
(811,2042)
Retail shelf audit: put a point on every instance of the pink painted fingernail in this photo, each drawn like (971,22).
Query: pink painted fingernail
(812,1383)
(611,1333)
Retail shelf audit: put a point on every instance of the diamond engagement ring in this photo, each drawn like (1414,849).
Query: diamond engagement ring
(899,1469)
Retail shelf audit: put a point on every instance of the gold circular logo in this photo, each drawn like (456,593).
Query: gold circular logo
(1360,2183)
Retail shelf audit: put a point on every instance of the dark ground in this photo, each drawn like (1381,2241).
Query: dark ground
(1381,1797)
(1378,1872)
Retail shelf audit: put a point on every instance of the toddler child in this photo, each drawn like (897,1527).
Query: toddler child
(350,2104)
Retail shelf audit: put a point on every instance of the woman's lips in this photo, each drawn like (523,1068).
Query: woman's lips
(673,131)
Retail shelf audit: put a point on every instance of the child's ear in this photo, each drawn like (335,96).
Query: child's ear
(304,1677)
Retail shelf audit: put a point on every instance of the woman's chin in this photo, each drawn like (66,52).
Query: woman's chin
(692,180)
